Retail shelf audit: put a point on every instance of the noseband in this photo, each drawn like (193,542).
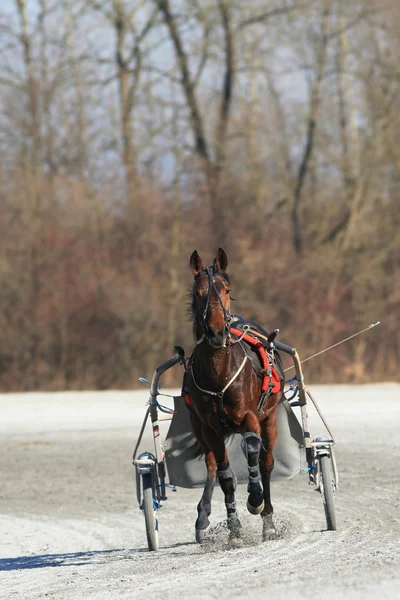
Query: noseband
(210,272)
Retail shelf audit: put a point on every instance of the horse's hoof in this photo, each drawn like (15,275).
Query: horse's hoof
(269,534)
(255,510)
(201,535)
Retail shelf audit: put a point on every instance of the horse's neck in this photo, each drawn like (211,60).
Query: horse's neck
(214,363)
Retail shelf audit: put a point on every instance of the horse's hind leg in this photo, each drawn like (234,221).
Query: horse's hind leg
(228,483)
(227,479)
(269,437)
(204,506)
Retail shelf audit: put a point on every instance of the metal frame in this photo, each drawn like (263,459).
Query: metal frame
(147,462)
(321,445)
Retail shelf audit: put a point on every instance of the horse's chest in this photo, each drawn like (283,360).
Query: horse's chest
(225,415)
(222,391)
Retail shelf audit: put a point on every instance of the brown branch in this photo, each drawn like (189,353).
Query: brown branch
(276,12)
(226,100)
(353,23)
(186,81)
(311,128)
(31,83)
(8,82)
(204,56)
(162,74)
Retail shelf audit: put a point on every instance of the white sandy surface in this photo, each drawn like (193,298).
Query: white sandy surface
(71,529)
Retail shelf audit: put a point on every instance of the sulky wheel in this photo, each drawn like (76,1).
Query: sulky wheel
(150,514)
(326,488)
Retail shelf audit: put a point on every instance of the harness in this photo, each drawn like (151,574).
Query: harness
(219,395)
(218,305)
(271,381)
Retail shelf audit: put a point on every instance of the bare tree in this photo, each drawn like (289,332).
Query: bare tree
(129,68)
(315,102)
(211,165)
(31,83)
(291,152)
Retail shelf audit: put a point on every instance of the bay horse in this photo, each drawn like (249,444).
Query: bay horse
(223,393)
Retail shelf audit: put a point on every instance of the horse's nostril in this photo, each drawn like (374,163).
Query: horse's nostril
(215,338)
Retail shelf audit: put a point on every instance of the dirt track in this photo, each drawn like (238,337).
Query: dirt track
(71,529)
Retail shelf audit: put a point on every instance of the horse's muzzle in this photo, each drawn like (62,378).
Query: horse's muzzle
(217,339)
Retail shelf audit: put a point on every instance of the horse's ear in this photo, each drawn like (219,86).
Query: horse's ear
(195,263)
(221,260)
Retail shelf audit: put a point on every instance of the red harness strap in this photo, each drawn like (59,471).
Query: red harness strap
(259,348)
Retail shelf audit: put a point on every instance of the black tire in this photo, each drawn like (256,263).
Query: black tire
(150,515)
(326,487)
(138,486)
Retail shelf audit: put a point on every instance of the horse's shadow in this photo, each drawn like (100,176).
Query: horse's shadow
(69,559)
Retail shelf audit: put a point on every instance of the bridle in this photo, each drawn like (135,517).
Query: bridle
(228,317)
(210,271)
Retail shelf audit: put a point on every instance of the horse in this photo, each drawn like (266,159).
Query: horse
(223,391)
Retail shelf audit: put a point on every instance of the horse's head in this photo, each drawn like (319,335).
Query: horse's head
(210,299)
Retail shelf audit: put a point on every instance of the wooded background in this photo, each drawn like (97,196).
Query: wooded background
(133,132)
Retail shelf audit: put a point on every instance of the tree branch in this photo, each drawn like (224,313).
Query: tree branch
(311,128)
(186,81)
(226,100)
(276,12)
(204,56)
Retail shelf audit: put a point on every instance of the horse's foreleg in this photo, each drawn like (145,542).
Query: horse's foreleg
(227,480)
(252,439)
(269,437)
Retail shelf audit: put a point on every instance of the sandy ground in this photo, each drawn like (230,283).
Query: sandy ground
(71,529)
